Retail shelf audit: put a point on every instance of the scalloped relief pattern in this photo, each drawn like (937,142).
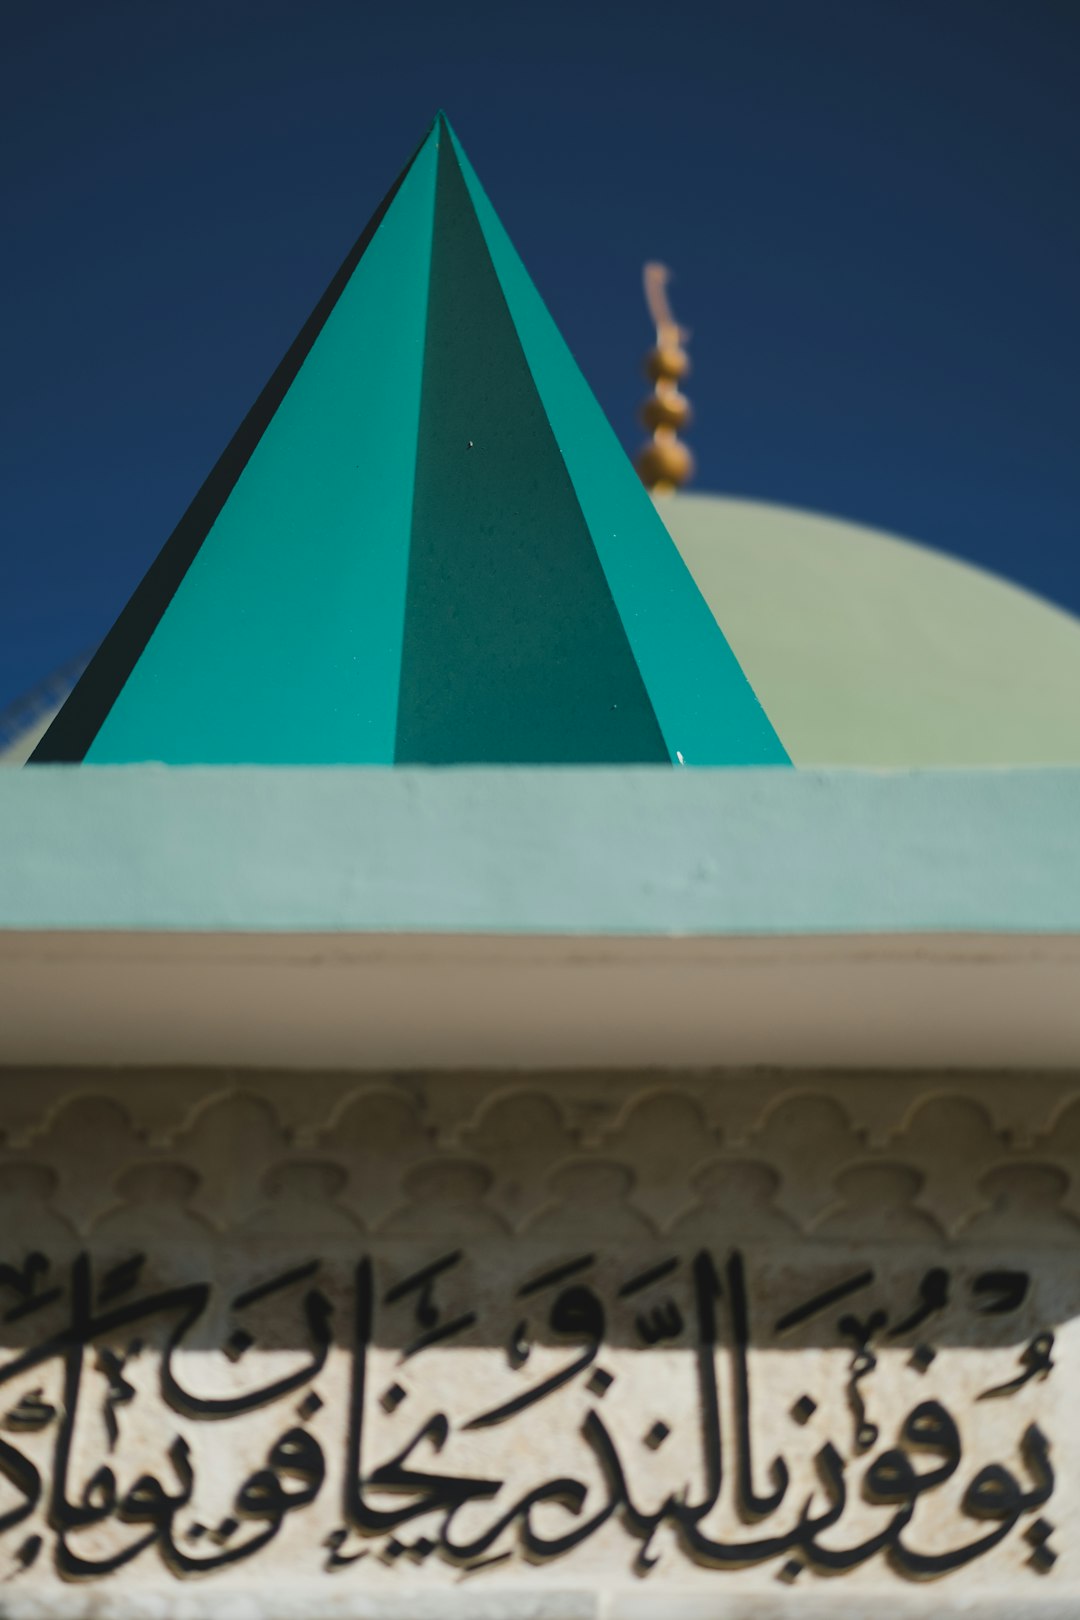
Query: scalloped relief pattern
(897,1158)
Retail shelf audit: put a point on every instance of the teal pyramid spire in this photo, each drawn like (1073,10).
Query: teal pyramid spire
(424,545)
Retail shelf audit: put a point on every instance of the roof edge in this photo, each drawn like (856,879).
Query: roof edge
(528,851)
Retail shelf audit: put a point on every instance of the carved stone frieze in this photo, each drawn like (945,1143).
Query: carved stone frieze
(597,1345)
(950,1156)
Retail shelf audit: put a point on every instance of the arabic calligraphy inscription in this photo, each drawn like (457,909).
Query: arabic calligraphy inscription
(680,1413)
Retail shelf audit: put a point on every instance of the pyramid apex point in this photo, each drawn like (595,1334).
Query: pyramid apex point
(443,126)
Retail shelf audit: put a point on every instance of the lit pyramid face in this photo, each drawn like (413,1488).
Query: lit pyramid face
(424,545)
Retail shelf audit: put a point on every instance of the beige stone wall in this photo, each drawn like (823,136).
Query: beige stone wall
(558,1344)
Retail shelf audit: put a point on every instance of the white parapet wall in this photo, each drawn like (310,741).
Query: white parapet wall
(443,918)
(564,1195)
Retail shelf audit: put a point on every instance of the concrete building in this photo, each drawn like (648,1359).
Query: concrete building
(540,1033)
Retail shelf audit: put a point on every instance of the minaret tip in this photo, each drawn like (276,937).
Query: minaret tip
(664,463)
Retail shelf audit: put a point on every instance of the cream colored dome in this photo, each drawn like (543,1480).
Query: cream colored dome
(869,650)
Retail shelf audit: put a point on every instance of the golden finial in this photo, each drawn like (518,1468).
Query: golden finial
(664,462)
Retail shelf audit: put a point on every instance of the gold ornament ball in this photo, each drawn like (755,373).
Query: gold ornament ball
(667,363)
(664,462)
(665,410)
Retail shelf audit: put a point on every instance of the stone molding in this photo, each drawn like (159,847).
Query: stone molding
(903,1158)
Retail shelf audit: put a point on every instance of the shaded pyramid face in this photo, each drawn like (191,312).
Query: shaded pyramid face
(423,546)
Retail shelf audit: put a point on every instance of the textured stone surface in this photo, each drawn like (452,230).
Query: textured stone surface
(657,1238)
(770,1154)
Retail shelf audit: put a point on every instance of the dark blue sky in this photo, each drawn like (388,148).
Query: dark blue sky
(871,206)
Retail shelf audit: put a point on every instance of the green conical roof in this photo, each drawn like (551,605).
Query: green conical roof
(424,545)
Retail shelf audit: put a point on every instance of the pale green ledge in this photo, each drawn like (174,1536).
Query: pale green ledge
(645,852)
